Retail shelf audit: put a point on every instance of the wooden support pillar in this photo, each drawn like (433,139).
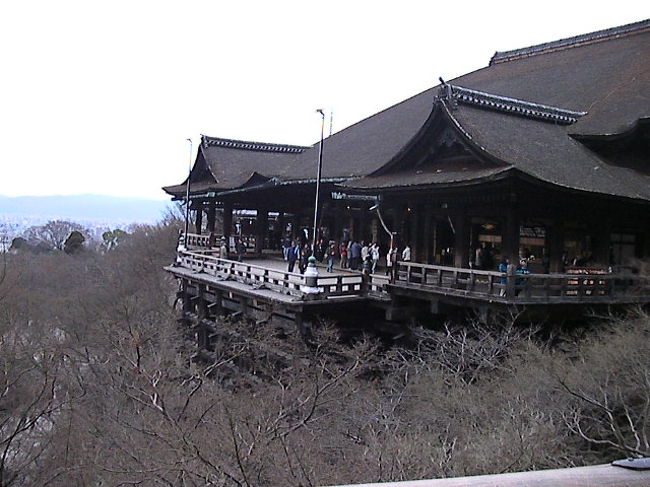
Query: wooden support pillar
(216,307)
(212,216)
(414,236)
(555,236)
(199,218)
(600,243)
(426,237)
(510,238)
(227,220)
(187,301)
(201,303)
(261,229)
(338,228)
(282,227)
(461,240)
(304,326)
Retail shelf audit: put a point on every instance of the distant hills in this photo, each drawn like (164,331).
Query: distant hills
(86,207)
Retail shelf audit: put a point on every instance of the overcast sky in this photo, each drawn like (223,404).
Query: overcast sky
(100,97)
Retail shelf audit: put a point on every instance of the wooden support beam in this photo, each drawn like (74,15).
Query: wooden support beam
(227,220)
(212,216)
(427,256)
(261,229)
(510,238)
(555,238)
(198,223)
(461,240)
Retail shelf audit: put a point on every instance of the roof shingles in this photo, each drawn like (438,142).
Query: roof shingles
(607,76)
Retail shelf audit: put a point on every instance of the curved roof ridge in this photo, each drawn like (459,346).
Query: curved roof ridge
(207,141)
(516,106)
(569,42)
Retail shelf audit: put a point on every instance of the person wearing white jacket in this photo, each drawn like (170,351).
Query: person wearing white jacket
(406,253)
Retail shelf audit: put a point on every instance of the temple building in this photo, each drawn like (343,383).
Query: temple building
(544,154)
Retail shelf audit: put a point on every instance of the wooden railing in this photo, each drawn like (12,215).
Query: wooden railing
(329,285)
(194,240)
(541,288)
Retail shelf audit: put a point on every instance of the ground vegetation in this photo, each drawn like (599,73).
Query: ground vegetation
(98,387)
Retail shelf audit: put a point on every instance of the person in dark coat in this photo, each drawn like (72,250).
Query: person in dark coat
(293,252)
(355,256)
(305,254)
(241,249)
(331,255)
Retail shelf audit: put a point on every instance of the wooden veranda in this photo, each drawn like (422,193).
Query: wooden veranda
(261,286)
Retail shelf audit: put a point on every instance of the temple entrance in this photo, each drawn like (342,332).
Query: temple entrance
(485,243)
(444,237)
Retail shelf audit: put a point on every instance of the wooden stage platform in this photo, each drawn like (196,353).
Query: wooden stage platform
(263,289)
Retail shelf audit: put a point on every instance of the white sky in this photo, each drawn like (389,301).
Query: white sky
(100,97)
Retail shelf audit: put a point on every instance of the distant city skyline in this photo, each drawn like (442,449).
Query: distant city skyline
(101,97)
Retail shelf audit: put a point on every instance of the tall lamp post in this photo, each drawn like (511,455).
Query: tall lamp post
(318,175)
(187,195)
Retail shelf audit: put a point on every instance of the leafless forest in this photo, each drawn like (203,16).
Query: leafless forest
(97,388)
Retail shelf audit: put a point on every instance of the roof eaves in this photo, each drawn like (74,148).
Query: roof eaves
(497,174)
(274,181)
(207,141)
(312,180)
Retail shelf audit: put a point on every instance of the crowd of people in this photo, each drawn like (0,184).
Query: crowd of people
(349,253)
(364,256)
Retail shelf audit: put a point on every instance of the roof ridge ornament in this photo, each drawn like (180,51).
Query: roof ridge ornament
(569,42)
(251,145)
(457,94)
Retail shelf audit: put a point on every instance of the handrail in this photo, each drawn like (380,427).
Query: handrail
(200,241)
(275,279)
(565,287)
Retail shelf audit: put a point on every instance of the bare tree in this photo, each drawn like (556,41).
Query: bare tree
(53,234)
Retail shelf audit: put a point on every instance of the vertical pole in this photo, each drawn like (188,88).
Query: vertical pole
(187,194)
(318,175)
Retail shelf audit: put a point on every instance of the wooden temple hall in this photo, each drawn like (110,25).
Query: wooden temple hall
(542,158)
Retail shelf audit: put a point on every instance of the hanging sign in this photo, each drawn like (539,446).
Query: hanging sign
(337,195)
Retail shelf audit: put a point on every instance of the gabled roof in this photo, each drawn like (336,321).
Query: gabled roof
(523,112)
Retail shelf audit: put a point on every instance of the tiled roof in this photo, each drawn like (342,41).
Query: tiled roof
(570,42)
(522,111)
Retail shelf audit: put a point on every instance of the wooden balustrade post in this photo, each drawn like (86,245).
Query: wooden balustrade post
(547,285)
(511,282)
(527,286)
